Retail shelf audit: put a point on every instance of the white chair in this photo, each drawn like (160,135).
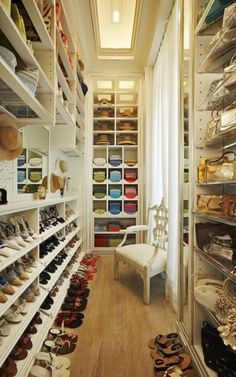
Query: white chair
(147,259)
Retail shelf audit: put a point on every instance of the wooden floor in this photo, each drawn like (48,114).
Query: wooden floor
(117,325)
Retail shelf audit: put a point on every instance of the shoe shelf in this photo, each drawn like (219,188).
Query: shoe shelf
(13,207)
(17,329)
(226,270)
(55,276)
(24,366)
(48,258)
(54,229)
(46,42)
(20,290)
(19,253)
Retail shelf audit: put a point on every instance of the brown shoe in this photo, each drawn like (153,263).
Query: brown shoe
(8,368)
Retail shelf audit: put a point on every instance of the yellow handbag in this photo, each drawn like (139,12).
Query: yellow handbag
(221,169)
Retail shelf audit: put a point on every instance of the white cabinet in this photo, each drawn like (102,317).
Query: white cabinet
(116,160)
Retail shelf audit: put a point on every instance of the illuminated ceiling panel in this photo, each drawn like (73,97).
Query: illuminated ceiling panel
(115,25)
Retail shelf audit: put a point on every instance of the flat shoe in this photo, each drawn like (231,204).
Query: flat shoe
(38,371)
(56,361)
(166,340)
(163,363)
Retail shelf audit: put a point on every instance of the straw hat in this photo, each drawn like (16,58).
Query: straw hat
(56,183)
(10,139)
(64,167)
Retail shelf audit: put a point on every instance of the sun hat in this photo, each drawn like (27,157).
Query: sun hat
(10,139)
(64,167)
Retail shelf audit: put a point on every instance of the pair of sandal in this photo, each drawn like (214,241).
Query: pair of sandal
(50,366)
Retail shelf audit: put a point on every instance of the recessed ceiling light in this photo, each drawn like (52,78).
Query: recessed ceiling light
(116,11)
(116,16)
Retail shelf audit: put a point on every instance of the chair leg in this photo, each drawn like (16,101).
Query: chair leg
(146,290)
(116,268)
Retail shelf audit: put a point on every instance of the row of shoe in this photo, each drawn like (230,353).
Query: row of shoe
(52,267)
(169,357)
(48,218)
(20,351)
(15,235)
(15,276)
(50,244)
(70,227)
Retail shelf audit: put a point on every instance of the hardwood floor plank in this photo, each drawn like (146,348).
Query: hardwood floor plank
(117,325)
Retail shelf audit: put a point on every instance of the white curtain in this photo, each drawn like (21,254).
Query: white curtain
(162,145)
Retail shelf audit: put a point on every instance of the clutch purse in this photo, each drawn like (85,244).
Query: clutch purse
(210,203)
(220,246)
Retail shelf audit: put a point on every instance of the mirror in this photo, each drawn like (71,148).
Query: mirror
(32,164)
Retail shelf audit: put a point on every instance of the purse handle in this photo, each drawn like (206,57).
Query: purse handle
(209,161)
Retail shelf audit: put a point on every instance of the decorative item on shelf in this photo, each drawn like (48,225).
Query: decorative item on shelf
(9,57)
(100,211)
(99,194)
(101,240)
(101,126)
(115,208)
(21,175)
(130,192)
(35,176)
(130,207)
(131,175)
(115,193)
(10,139)
(3,196)
(104,102)
(25,189)
(40,193)
(113,226)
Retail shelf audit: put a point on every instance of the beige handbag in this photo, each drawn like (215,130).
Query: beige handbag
(221,169)
(230,74)
(210,204)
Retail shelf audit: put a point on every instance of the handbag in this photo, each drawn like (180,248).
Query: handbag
(212,126)
(230,74)
(206,295)
(222,168)
(220,246)
(210,203)
(230,290)
(205,232)
(228,118)
(229,205)
(217,10)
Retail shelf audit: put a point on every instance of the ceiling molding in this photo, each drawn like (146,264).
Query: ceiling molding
(115,53)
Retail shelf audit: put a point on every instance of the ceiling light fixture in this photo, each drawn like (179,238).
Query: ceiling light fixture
(116,11)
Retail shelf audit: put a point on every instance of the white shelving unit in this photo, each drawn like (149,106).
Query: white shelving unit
(116,131)
(206,67)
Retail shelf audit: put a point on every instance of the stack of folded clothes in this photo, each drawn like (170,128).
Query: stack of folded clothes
(115,208)
(115,193)
(99,161)
(99,193)
(21,160)
(115,176)
(30,77)
(35,176)
(130,192)
(115,159)
(113,226)
(130,162)
(130,207)
(99,176)
(131,175)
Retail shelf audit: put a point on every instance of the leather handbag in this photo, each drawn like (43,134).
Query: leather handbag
(222,168)
(212,126)
(220,247)
(229,205)
(205,232)
(210,204)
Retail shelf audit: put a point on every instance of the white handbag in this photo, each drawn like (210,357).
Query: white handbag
(206,295)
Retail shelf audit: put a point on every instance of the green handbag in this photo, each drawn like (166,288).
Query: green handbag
(18,20)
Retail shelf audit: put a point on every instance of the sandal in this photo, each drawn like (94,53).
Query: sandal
(173,349)
(185,361)
(18,353)
(164,340)
(59,346)
(163,363)
(38,371)
(49,358)
(63,334)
